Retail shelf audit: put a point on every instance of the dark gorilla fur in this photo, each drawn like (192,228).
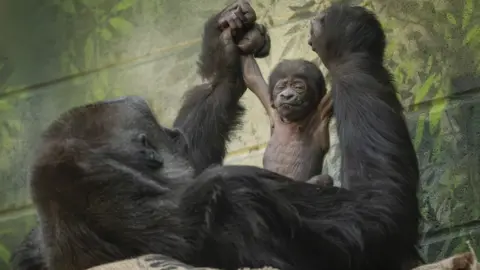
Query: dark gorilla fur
(378,157)
(98,202)
(205,122)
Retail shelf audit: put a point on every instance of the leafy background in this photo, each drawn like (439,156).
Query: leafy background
(55,54)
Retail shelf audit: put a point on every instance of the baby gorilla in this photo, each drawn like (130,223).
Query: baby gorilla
(299,112)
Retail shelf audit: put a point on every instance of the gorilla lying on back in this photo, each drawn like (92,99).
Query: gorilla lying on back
(205,122)
(111,183)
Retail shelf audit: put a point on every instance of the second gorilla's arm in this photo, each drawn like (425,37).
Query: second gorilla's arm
(211,111)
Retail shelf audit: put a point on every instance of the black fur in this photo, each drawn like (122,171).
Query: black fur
(379,160)
(28,255)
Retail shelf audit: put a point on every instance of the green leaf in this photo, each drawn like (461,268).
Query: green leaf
(98,91)
(289,47)
(103,77)
(471,34)
(294,29)
(419,130)
(409,67)
(124,4)
(74,69)
(121,25)
(270,20)
(68,6)
(437,148)
(4,105)
(300,15)
(437,109)
(91,3)
(89,51)
(423,91)
(451,18)
(4,254)
(467,13)
(307,5)
(106,34)
(448,34)
(429,64)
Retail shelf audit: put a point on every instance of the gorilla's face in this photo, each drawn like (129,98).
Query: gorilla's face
(126,132)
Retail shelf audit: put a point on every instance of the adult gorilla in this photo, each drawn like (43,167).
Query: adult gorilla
(125,132)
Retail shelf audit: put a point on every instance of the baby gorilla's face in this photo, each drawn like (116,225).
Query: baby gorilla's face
(291,98)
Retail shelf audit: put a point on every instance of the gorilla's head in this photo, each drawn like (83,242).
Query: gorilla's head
(119,135)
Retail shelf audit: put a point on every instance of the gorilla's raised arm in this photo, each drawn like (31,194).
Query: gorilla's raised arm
(379,163)
(211,111)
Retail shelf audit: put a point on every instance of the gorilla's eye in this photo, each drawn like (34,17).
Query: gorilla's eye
(144,140)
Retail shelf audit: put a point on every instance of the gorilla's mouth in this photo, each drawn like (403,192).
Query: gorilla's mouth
(290,105)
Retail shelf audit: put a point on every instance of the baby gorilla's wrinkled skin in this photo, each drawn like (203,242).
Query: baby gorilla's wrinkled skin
(299,112)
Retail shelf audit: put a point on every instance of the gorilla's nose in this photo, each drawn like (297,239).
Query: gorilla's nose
(287,96)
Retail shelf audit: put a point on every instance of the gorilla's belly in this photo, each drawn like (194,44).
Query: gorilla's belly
(292,158)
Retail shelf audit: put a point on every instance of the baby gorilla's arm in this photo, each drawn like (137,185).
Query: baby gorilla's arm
(321,135)
(256,83)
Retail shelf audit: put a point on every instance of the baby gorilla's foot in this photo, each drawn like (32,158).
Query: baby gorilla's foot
(323,180)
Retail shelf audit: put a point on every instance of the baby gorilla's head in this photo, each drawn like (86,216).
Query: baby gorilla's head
(296,88)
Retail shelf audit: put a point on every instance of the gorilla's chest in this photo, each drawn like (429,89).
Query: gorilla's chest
(291,154)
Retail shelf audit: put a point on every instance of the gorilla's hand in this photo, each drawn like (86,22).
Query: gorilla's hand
(236,16)
(255,41)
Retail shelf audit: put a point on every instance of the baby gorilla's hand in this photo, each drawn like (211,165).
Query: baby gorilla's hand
(255,41)
(321,135)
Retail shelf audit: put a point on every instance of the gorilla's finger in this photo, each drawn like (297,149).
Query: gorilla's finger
(238,23)
(264,51)
(262,29)
(239,14)
(232,24)
(250,15)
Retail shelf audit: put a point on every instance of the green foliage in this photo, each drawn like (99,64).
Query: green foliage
(4,254)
